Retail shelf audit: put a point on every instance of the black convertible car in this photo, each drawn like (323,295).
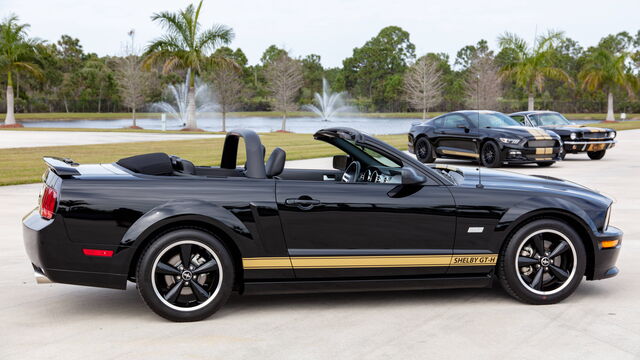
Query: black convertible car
(594,141)
(490,137)
(190,235)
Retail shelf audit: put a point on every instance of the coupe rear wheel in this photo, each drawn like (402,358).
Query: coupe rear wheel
(185,275)
(543,262)
(596,155)
(423,150)
(490,155)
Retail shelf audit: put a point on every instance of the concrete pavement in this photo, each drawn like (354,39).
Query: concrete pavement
(601,320)
(19,139)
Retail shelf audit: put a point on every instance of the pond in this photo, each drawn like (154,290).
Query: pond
(303,125)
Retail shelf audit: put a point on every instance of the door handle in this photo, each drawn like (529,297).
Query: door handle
(302,203)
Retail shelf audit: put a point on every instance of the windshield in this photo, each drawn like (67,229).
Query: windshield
(493,119)
(549,119)
(379,158)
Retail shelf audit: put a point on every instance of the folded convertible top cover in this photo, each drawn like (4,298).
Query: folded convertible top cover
(148,164)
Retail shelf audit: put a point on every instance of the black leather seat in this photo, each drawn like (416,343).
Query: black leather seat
(275,163)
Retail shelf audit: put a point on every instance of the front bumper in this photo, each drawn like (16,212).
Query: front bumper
(517,154)
(573,147)
(604,259)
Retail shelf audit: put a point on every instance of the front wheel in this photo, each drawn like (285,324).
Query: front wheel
(423,150)
(542,263)
(545,163)
(185,275)
(596,155)
(490,155)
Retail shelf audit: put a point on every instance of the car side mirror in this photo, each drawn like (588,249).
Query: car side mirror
(411,177)
(340,162)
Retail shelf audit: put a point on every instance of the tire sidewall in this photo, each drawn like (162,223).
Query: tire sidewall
(596,155)
(429,157)
(498,160)
(507,265)
(147,260)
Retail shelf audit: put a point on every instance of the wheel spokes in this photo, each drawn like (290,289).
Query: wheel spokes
(163,268)
(185,255)
(538,242)
(173,293)
(200,293)
(527,261)
(559,273)
(536,283)
(561,248)
(209,266)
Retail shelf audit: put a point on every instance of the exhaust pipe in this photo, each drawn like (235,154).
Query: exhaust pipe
(41,278)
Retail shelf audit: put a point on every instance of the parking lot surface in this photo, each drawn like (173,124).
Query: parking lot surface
(600,321)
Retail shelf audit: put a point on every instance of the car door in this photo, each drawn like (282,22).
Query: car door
(336,230)
(457,136)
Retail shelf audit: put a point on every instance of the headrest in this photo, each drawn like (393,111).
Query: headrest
(275,164)
(149,164)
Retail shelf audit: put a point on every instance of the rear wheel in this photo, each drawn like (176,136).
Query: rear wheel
(543,262)
(490,155)
(423,150)
(185,275)
(596,155)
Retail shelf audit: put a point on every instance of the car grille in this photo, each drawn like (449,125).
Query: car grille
(594,135)
(541,143)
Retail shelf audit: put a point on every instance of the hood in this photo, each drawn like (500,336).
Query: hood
(568,129)
(523,132)
(510,180)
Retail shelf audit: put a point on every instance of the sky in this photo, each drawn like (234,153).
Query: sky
(329,28)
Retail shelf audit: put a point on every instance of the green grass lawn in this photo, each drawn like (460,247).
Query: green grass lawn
(25,165)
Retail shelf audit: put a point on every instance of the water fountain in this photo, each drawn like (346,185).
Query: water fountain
(328,103)
(179,93)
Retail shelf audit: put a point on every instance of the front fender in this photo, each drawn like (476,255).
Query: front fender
(189,210)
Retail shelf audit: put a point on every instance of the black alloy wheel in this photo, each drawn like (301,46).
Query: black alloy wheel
(185,275)
(423,150)
(596,155)
(490,156)
(543,263)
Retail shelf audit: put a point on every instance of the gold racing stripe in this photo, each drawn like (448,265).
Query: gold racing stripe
(459,153)
(544,151)
(353,262)
(539,134)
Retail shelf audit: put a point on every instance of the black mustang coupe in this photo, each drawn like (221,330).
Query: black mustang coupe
(190,235)
(575,138)
(490,137)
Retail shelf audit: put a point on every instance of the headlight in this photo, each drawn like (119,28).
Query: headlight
(573,136)
(612,134)
(510,141)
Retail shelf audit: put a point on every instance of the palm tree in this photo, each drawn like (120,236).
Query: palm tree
(17,53)
(607,71)
(530,66)
(185,45)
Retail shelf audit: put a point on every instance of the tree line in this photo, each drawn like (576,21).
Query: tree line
(383,75)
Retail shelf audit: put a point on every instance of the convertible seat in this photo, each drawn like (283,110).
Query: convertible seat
(275,164)
(149,164)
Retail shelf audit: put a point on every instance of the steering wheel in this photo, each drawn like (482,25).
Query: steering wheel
(352,172)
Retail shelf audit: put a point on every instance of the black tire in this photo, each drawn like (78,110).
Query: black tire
(201,292)
(423,150)
(596,155)
(490,155)
(545,163)
(563,154)
(551,287)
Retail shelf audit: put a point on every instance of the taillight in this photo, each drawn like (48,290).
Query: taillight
(48,203)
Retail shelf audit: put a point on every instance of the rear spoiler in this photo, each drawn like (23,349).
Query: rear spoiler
(62,167)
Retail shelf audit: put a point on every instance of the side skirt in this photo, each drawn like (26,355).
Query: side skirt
(315,286)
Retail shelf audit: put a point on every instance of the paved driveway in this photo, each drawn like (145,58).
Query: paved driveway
(19,139)
(600,321)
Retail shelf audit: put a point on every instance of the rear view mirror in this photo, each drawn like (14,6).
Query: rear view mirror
(340,162)
(411,177)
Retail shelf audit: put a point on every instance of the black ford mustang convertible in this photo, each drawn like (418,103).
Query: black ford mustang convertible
(190,235)
(490,137)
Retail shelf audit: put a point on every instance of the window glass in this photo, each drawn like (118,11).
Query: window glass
(518,118)
(548,119)
(376,156)
(453,121)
